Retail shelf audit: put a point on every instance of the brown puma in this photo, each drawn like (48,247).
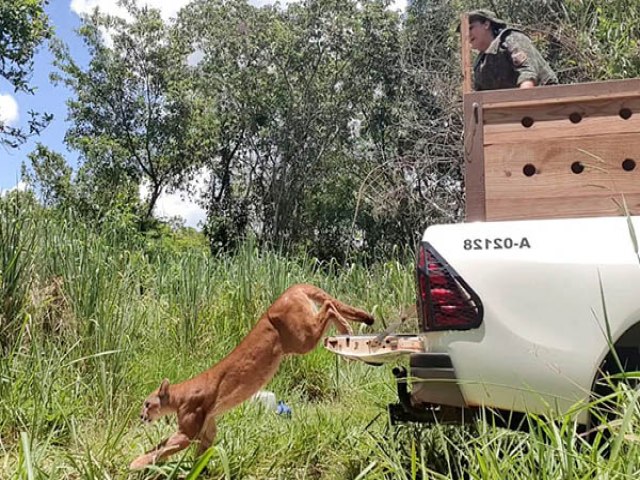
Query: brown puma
(293,324)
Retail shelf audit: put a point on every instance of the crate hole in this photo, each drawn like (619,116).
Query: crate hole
(626,113)
(629,164)
(575,117)
(577,167)
(529,170)
(527,122)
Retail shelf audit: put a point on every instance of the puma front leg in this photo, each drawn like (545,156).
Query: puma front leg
(207,434)
(176,442)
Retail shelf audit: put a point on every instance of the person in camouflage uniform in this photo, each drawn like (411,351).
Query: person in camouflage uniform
(507,57)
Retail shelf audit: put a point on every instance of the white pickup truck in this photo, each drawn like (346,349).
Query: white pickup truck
(518,316)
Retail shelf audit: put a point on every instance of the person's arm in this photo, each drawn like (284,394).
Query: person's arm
(525,58)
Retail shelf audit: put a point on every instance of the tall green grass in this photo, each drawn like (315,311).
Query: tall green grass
(17,237)
(93,318)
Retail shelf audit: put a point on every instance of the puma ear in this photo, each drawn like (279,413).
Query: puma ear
(163,391)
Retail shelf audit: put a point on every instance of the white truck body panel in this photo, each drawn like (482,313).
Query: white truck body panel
(546,306)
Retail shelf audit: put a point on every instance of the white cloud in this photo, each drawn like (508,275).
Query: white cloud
(168,8)
(262,3)
(195,58)
(8,109)
(20,186)
(178,204)
(399,5)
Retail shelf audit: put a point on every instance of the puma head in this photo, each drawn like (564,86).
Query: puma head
(155,405)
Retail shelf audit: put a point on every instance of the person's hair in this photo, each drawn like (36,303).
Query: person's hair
(496,29)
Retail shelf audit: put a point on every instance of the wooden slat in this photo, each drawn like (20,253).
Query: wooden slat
(586,206)
(551,94)
(601,157)
(502,133)
(465,51)
(561,111)
(554,190)
(474,162)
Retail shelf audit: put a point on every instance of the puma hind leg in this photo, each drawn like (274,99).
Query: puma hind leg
(346,311)
(341,323)
(352,313)
(305,337)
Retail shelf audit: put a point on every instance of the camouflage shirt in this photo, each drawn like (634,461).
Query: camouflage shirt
(510,60)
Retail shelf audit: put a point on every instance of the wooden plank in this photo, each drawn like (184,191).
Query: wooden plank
(501,133)
(557,93)
(601,157)
(465,51)
(555,190)
(587,206)
(620,107)
(474,171)
(559,100)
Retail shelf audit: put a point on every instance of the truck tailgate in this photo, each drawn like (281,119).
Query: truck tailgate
(374,349)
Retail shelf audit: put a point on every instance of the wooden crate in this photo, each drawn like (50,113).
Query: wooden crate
(553,152)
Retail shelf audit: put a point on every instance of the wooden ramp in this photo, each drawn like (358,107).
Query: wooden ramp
(553,152)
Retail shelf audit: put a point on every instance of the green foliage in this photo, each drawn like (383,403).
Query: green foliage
(610,36)
(229,48)
(51,174)
(303,115)
(23,27)
(164,239)
(17,237)
(130,110)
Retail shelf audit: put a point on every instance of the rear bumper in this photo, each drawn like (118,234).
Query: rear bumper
(433,381)
(436,397)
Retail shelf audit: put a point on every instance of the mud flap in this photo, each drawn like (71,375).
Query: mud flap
(374,349)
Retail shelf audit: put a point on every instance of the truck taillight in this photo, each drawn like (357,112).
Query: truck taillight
(445,301)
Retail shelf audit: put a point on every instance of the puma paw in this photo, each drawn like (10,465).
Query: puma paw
(141,462)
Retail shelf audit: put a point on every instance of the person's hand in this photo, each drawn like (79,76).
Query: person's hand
(527,84)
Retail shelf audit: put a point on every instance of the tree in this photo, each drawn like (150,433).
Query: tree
(23,27)
(316,91)
(228,41)
(50,174)
(284,87)
(132,106)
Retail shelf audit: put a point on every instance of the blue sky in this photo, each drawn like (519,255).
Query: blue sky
(65,17)
(47,98)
